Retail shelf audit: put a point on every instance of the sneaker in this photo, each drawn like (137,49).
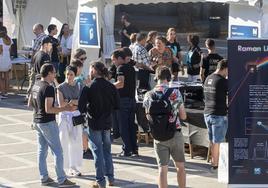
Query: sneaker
(123,154)
(47,182)
(214,169)
(111,183)
(96,185)
(135,154)
(67,183)
(74,172)
(3,97)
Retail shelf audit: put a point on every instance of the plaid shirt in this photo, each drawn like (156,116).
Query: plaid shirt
(38,41)
(140,55)
(175,99)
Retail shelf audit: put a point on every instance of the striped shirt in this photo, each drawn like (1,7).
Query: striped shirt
(38,41)
(140,55)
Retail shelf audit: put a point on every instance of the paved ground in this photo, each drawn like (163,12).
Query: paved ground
(18,166)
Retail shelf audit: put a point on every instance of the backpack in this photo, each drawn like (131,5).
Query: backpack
(159,111)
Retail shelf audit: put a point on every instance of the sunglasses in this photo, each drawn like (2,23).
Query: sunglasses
(83,59)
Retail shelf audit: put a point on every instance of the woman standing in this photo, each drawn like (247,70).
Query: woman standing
(150,40)
(65,39)
(161,54)
(70,135)
(174,46)
(193,58)
(5,61)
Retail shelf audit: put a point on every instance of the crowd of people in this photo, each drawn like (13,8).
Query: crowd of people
(58,85)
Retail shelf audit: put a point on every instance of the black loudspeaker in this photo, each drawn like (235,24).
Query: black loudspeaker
(13,49)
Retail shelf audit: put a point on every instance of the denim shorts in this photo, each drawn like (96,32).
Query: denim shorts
(217,127)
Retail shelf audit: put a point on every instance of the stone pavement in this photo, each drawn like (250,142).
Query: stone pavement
(18,165)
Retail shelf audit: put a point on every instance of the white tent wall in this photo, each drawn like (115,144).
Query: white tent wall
(264,20)
(126,2)
(9,18)
(40,11)
(92,52)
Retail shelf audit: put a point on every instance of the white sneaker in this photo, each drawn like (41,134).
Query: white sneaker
(74,172)
(3,97)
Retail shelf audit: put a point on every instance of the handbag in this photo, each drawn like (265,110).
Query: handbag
(78,120)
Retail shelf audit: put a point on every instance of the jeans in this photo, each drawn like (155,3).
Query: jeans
(217,127)
(48,136)
(127,126)
(31,80)
(56,66)
(100,143)
(116,122)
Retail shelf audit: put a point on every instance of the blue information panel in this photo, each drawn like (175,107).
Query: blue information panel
(88,29)
(238,31)
(248,111)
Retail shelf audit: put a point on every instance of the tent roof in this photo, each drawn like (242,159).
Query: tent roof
(126,2)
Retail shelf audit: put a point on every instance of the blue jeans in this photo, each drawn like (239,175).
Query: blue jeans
(116,122)
(217,127)
(100,143)
(56,66)
(127,126)
(48,136)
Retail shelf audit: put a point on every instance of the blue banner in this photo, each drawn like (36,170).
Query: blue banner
(238,31)
(88,29)
(248,111)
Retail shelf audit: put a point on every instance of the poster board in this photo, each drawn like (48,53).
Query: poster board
(88,28)
(248,112)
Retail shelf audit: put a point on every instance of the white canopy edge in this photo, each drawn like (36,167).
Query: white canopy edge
(126,2)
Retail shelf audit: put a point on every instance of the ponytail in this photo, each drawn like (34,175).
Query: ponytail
(100,68)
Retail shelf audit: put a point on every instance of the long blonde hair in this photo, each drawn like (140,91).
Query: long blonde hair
(150,36)
(169,31)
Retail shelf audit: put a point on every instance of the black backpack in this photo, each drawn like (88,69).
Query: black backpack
(159,111)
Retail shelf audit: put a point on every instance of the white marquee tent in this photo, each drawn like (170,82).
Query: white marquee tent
(67,11)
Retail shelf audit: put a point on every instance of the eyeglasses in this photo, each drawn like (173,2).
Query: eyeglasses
(83,59)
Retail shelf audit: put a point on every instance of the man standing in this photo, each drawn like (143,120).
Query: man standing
(142,59)
(215,92)
(126,85)
(52,31)
(99,100)
(42,56)
(42,99)
(209,62)
(126,31)
(38,30)
(175,145)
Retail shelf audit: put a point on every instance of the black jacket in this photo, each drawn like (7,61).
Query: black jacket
(98,101)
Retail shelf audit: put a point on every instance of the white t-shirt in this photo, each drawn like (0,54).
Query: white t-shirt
(5,61)
(66,44)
